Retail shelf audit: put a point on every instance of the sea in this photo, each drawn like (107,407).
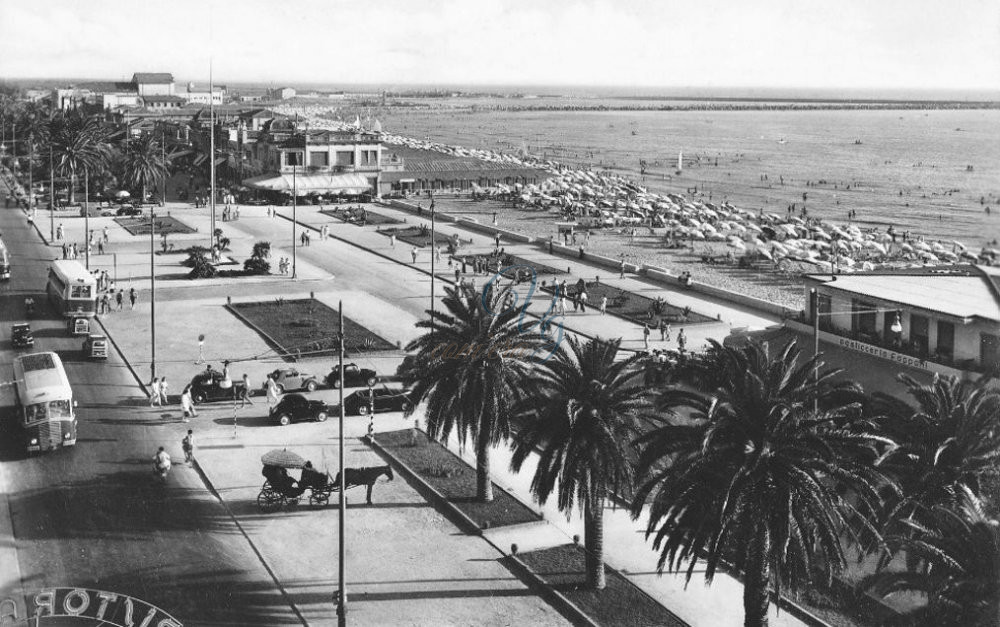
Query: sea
(934,172)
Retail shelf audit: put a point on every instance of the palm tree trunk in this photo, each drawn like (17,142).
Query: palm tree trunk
(756,598)
(72,185)
(593,538)
(484,485)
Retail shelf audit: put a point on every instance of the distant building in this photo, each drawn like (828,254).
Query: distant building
(943,319)
(196,95)
(281,93)
(153,83)
(163,102)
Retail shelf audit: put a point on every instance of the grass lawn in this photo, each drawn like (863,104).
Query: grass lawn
(417,236)
(620,603)
(308,328)
(371,217)
(631,306)
(454,479)
(164,224)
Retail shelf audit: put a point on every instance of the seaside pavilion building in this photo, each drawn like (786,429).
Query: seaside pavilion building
(940,319)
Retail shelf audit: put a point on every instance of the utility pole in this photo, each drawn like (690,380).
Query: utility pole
(342,575)
(295,200)
(433,255)
(152,294)
(52,197)
(211,167)
(86,213)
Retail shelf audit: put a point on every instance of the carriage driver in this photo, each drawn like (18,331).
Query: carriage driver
(311,478)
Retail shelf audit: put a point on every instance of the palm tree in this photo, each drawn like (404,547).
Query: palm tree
(949,442)
(470,370)
(754,475)
(582,418)
(79,143)
(35,126)
(145,164)
(960,551)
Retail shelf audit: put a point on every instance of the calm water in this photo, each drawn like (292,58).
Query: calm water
(923,154)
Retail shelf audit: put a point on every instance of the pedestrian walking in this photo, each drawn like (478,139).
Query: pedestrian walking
(100,247)
(392,240)
(105,303)
(163,391)
(154,392)
(583,302)
(76,251)
(413,253)
(187,445)
(561,306)
(663,330)
(106,235)
(645,335)
(132,296)
(681,340)
(604,305)
(245,392)
(60,232)
(621,269)
(458,275)
(187,403)
(272,392)
(120,299)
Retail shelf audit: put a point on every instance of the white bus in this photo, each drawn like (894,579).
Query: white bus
(71,289)
(4,262)
(45,407)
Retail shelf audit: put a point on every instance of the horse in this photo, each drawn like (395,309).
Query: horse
(364,476)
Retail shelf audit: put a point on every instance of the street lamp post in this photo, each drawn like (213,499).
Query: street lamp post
(152,296)
(86,213)
(295,200)
(342,517)
(52,198)
(433,255)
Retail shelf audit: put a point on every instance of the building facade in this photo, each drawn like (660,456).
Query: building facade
(154,83)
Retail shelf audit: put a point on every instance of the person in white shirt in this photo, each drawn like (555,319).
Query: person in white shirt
(154,392)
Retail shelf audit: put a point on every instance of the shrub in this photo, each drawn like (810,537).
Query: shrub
(201,268)
(261,250)
(256,266)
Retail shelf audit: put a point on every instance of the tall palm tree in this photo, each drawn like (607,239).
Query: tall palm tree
(582,418)
(949,442)
(469,370)
(34,123)
(960,551)
(753,475)
(79,144)
(145,164)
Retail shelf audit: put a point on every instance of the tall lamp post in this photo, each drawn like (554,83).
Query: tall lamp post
(52,198)
(342,517)
(433,255)
(86,213)
(152,295)
(295,200)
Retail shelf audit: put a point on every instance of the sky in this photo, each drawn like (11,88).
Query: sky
(859,44)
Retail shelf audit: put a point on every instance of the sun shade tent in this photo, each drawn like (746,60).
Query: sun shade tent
(311,183)
(283,458)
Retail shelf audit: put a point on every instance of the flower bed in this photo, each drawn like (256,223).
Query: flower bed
(418,236)
(454,479)
(632,306)
(307,328)
(350,216)
(164,224)
(620,603)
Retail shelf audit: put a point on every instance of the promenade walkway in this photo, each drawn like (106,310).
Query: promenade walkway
(389,292)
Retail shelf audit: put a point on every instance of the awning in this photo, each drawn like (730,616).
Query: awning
(311,183)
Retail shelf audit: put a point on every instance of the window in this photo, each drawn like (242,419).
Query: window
(319,159)
(863,318)
(35,412)
(293,158)
(825,306)
(345,157)
(946,339)
(919,333)
(60,409)
(80,291)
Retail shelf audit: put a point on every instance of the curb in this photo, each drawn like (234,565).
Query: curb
(555,598)
(260,557)
(121,354)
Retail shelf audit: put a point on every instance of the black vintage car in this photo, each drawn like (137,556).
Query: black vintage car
(354,376)
(386,400)
(298,408)
(20,336)
(206,387)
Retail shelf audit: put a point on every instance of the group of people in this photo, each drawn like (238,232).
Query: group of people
(664,328)
(283,265)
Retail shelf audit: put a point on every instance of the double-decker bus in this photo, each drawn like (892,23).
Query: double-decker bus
(44,402)
(71,289)
(4,262)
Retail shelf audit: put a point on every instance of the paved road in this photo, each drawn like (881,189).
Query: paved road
(92,515)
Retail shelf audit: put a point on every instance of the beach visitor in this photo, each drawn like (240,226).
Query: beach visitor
(187,445)
(272,392)
(60,233)
(120,299)
(106,235)
(583,302)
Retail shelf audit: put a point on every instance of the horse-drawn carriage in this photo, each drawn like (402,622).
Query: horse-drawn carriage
(280,490)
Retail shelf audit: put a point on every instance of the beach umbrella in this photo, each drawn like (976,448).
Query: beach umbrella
(928,256)
(967,255)
(907,248)
(937,247)
(960,245)
(820,233)
(924,246)
(696,234)
(715,236)
(122,194)
(737,244)
(885,237)
(765,254)
(282,457)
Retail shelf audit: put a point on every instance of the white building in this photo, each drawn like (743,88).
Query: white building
(154,83)
(197,95)
(281,93)
(942,319)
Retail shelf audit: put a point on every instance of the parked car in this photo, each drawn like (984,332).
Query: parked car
(207,387)
(386,399)
(95,347)
(128,210)
(354,376)
(20,336)
(291,379)
(298,408)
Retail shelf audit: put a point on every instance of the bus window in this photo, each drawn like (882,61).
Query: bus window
(60,409)
(38,411)
(80,291)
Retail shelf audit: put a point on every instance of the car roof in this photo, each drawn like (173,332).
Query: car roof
(294,397)
(21,325)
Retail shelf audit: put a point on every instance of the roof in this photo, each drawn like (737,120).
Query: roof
(73,270)
(156,78)
(148,99)
(107,87)
(320,137)
(963,291)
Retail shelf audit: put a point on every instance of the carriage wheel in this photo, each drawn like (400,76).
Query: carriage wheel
(269,500)
(319,498)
